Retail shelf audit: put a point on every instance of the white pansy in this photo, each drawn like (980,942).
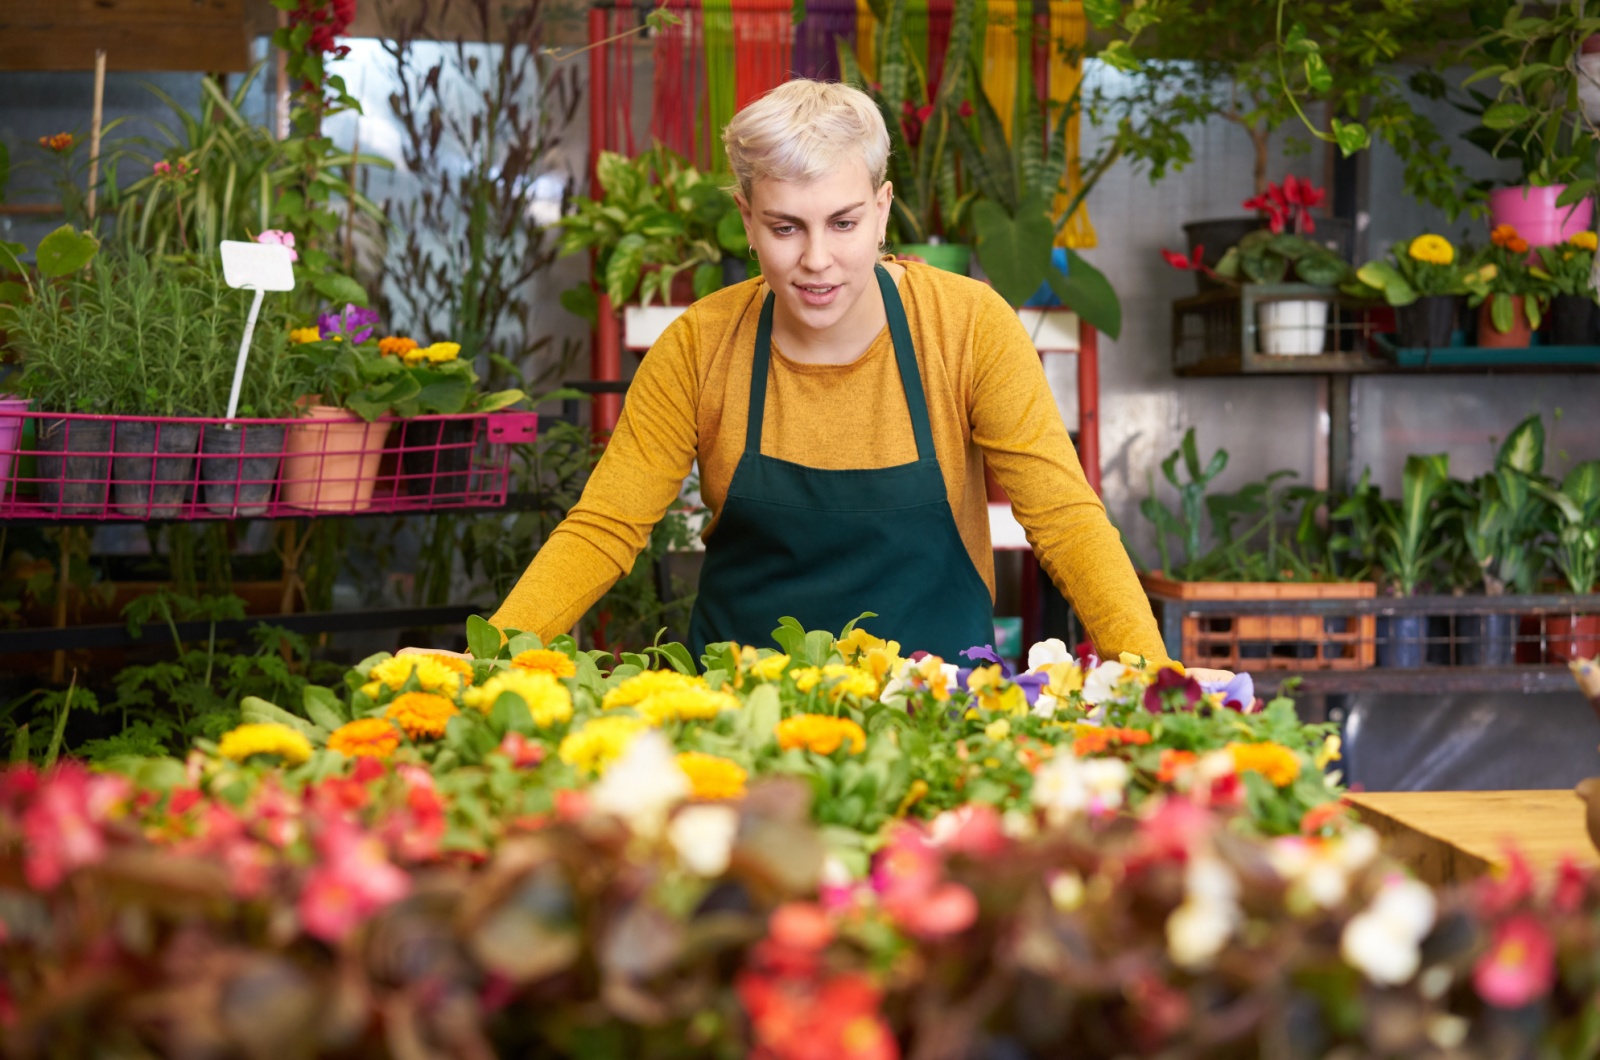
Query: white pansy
(1382,941)
(1214,766)
(835,873)
(1067,786)
(1044,706)
(1320,871)
(1106,779)
(1047,653)
(1100,684)
(703,838)
(1199,928)
(642,785)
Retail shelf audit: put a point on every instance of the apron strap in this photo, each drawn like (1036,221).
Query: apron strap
(905,356)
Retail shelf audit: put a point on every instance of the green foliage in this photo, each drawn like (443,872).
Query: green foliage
(1264,256)
(352,377)
(1405,277)
(1500,514)
(1573,517)
(1408,536)
(659,217)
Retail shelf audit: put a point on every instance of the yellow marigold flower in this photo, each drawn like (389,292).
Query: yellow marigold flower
(1435,250)
(421,714)
(685,704)
(365,738)
(444,674)
(642,686)
(555,663)
(1272,760)
(442,352)
(1585,241)
(842,681)
(821,733)
(769,669)
(600,742)
(396,345)
(711,777)
(304,335)
(265,738)
(548,701)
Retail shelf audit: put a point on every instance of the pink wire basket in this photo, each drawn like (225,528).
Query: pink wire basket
(82,467)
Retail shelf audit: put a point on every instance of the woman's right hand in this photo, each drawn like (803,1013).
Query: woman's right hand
(435,651)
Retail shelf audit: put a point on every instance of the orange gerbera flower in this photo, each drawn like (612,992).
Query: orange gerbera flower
(421,714)
(365,738)
(821,733)
(396,345)
(554,663)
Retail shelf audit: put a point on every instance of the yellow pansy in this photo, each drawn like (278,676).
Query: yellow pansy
(301,336)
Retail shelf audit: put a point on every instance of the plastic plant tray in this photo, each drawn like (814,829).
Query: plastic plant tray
(1460,355)
(111,468)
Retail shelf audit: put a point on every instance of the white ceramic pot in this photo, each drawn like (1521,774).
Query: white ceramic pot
(1296,328)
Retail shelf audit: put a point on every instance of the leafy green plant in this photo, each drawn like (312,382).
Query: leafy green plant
(1574,515)
(1567,268)
(1407,534)
(1425,266)
(1264,256)
(659,217)
(1503,264)
(920,118)
(351,376)
(1499,514)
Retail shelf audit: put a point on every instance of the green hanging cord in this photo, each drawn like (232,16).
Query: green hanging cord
(717,18)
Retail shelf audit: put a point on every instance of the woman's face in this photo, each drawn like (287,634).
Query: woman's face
(817,242)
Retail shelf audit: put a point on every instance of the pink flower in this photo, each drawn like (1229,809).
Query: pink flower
(1571,884)
(1520,966)
(908,879)
(282,239)
(1500,893)
(523,752)
(354,881)
(61,826)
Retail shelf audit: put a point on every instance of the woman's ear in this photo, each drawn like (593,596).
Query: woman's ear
(744,215)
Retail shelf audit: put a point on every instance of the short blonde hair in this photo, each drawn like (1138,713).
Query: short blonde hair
(802,129)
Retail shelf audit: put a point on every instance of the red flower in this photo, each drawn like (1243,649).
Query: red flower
(1520,966)
(1571,884)
(1190,264)
(965,110)
(61,828)
(1501,892)
(1171,690)
(1319,817)
(523,752)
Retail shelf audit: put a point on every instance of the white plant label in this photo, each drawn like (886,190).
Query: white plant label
(258,267)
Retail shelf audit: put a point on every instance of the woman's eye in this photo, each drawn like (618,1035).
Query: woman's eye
(783,230)
(845,226)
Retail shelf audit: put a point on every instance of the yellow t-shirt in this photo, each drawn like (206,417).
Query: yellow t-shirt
(987,398)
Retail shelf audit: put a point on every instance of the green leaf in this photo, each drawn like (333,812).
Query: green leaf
(731,234)
(323,707)
(1103,14)
(339,288)
(1086,291)
(258,711)
(1119,56)
(707,279)
(1350,136)
(624,267)
(1318,76)
(1014,251)
(483,640)
(582,301)
(677,657)
(1504,116)
(760,716)
(65,251)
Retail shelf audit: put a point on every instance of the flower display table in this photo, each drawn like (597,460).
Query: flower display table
(1452,836)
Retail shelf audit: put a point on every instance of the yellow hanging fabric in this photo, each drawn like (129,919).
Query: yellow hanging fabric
(1000,60)
(866,37)
(1068,33)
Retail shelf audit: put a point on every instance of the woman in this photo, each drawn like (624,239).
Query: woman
(841,409)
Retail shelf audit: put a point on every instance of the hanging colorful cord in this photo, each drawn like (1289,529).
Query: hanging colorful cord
(673,82)
(999,43)
(1068,34)
(938,41)
(818,37)
(763,36)
(717,18)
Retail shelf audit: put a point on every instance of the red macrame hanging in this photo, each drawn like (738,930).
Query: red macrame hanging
(763,37)
(938,42)
(675,86)
(616,123)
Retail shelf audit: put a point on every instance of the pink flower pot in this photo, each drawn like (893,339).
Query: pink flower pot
(331,461)
(1536,217)
(10,435)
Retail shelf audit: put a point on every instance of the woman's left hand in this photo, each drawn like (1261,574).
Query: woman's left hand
(1209,677)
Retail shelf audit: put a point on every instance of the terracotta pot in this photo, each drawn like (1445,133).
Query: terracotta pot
(331,461)
(1573,637)
(1520,337)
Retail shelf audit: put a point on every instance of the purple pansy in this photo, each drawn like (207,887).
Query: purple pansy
(352,323)
(986,653)
(1238,694)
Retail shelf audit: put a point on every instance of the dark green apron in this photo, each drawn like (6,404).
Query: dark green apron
(825,545)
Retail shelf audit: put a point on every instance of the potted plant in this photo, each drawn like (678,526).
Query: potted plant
(1406,541)
(1499,516)
(1292,326)
(436,452)
(1508,300)
(1567,270)
(331,460)
(1573,514)
(1424,279)
(658,219)
(61,372)
(919,116)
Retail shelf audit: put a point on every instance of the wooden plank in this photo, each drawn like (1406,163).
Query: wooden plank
(1453,836)
(143,35)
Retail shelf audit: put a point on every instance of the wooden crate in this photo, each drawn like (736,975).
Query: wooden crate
(1284,641)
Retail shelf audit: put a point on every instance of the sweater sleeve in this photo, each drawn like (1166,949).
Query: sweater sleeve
(1016,422)
(637,479)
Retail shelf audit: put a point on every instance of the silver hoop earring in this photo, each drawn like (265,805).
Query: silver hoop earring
(752,253)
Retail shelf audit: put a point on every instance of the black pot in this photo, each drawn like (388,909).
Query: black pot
(435,456)
(159,480)
(240,466)
(1486,640)
(1216,236)
(1427,322)
(1441,640)
(74,465)
(1401,641)
(1574,321)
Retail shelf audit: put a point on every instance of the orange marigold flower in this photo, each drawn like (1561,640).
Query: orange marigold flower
(1518,245)
(712,777)
(1503,235)
(1095,740)
(554,663)
(421,714)
(59,142)
(821,733)
(396,345)
(1272,760)
(1319,817)
(365,738)
(1174,762)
